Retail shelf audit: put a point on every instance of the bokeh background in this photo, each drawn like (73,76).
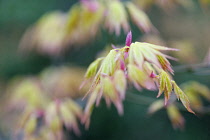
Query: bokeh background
(176,27)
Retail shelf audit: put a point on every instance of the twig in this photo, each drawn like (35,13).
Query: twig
(191,67)
(145,100)
(139,99)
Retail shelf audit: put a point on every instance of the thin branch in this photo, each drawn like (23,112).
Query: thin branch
(192,67)
(145,100)
(139,99)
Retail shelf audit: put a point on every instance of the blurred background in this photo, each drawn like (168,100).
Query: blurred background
(184,27)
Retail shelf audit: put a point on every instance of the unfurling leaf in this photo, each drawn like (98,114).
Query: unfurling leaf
(195,91)
(116,17)
(181,95)
(175,116)
(139,78)
(165,63)
(140,63)
(155,106)
(139,18)
(121,84)
(165,85)
(109,63)
(92,69)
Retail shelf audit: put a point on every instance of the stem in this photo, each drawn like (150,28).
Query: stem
(144,100)
(192,67)
(139,99)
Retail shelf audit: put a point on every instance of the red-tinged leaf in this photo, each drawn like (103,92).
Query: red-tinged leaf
(175,90)
(184,99)
(165,86)
(139,78)
(165,63)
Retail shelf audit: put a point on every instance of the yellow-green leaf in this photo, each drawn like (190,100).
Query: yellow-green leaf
(92,69)
(120,83)
(184,99)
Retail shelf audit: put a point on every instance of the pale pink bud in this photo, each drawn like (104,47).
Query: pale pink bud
(128,39)
(153,75)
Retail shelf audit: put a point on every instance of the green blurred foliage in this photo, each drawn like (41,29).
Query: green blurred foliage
(15,17)
(28,11)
